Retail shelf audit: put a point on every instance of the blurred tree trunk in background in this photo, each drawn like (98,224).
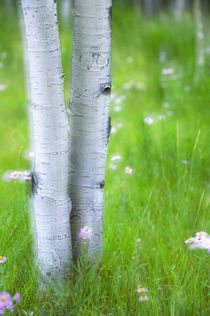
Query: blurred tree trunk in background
(66,10)
(10,4)
(199,38)
(89,120)
(179,7)
(148,7)
(51,204)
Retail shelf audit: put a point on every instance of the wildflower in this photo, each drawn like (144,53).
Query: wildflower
(116,158)
(167,71)
(190,240)
(162,56)
(113,95)
(128,170)
(3,87)
(28,154)
(17,175)
(141,290)
(3,55)
(148,120)
(161,117)
(117,108)
(138,240)
(85,232)
(201,235)
(16,297)
(208,50)
(128,85)
(200,35)
(143,298)
(3,259)
(187,88)
(113,167)
(129,59)
(170,113)
(166,105)
(5,302)
(113,130)
(26,178)
(119,125)
(120,99)
(185,162)
(203,243)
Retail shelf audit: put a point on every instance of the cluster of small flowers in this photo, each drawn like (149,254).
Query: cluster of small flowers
(116,158)
(201,240)
(17,175)
(133,84)
(6,301)
(145,297)
(149,120)
(85,232)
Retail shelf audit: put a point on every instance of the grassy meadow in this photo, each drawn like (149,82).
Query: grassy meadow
(160,118)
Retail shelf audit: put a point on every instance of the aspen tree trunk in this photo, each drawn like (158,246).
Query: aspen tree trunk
(51,203)
(199,37)
(89,120)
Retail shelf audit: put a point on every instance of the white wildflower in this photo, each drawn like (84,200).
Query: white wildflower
(117,108)
(3,87)
(185,162)
(166,105)
(119,99)
(113,130)
(161,117)
(128,170)
(148,120)
(167,71)
(129,59)
(116,158)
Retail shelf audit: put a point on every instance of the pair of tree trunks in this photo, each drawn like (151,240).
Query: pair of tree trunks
(68,174)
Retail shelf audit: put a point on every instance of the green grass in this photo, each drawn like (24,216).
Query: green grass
(148,214)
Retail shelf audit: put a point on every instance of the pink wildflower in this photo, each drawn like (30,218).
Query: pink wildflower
(143,298)
(17,297)
(5,303)
(17,175)
(141,290)
(85,232)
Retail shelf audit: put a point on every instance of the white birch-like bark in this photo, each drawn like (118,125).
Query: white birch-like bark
(199,37)
(51,204)
(89,120)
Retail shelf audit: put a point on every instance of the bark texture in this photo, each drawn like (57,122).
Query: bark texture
(89,120)
(51,204)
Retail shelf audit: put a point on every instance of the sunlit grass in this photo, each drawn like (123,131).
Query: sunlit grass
(148,214)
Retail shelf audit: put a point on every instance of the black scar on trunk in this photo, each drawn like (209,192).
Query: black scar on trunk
(34,183)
